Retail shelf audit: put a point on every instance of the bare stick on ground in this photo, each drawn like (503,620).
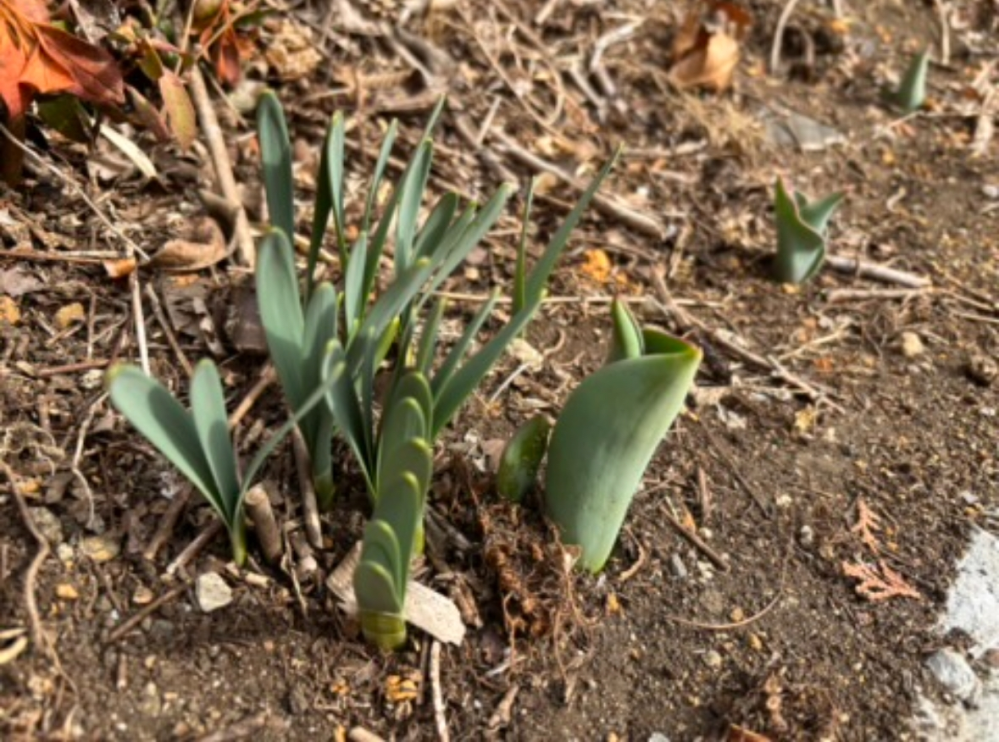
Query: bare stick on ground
(438,699)
(223,167)
(785,16)
(194,548)
(168,522)
(38,635)
(876,272)
(164,323)
(310,506)
(258,507)
(696,541)
(148,610)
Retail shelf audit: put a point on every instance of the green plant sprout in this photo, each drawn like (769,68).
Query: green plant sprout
(521,459)
(198,442)
(802,227)
(608,431)
(390,537)
(911,93)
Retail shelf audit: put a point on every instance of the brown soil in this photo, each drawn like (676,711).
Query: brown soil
(773,478)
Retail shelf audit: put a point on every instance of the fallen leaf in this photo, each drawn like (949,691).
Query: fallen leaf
(178,109)
(706,49)
(867,523)
(205,246)
(15,282)
(65,591)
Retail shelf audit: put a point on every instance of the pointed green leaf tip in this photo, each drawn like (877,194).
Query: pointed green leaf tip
(605,437)
(911,92)
(801,233)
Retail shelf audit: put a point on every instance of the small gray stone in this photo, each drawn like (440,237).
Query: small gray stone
(677,566)
(956,675)
(712,659)
(806,537)
(212,592)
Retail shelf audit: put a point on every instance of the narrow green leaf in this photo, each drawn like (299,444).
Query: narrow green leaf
(538,278)
(343,403)
(413,186)
(281,313)
(521,459)
(318,425)
(428,338)
(453,393)
(318,396)
(520,272)
(211,421)
(457,352)
(376,181)
(604,439)
(275,154)
(436,226)
(335,148)
(329,196)
(153,411)
(355,297)
(467,239)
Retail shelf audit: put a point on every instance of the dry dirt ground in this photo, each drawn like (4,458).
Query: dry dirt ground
(847,424)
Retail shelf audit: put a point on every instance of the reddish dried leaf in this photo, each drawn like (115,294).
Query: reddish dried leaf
(95,74)
(225,57)
(710,67)
(147,115)
(35,11)
(867,523)
(879,587)
(178,109)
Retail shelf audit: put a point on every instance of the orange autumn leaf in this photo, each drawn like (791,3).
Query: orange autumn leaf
(36,57)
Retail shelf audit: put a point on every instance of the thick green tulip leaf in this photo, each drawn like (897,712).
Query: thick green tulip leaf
(603,441)
(402,422)
(521,459)
(212,424)
(153,411)
(800,248)
(912,90)
(275,153)
(816,214)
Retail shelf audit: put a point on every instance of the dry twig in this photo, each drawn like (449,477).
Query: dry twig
(438,699)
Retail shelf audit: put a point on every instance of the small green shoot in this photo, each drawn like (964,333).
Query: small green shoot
(608,431)
(197,442)
(911,93)
(802,227)
(521,459)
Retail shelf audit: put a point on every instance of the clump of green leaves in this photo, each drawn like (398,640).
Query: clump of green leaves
(802,228)
(197,442)
(608,431)
(911,93)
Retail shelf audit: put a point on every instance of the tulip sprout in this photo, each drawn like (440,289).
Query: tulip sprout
(608,431)
(911,93)
(802,227)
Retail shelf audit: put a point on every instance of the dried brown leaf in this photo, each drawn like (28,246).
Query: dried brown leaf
(712,66)
(205,246)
